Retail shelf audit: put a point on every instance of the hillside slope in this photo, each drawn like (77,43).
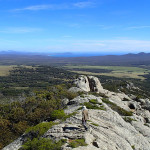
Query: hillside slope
(117,121)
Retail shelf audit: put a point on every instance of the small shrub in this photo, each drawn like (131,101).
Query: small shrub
(42,144)
(133,147)
(146,125)
(81,93)
(94,101)
(80,108)
(70,95)
(57,114)
(105,100)
(77,142)
(40,129)
(117,108)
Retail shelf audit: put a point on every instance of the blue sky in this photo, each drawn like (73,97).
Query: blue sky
(75,25)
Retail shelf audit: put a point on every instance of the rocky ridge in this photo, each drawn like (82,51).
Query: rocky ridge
(120,123)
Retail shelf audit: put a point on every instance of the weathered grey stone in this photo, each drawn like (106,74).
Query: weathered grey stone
(65,101)
(75,89)
(146,104)
(95,85)
(144,130)
(82,83)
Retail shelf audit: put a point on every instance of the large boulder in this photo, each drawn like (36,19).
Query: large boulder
(95,85)
(87,84)
(82,83)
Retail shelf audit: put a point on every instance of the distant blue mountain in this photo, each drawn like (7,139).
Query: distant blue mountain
(79,54)
(12,52)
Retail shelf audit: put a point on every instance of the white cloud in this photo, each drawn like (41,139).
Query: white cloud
(42,7)
(37,7)
(83,4)
(19,30)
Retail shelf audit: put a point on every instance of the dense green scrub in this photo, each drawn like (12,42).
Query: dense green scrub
(16,117)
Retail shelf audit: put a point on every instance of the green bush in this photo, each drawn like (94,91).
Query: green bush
(117,108)
(77,142)
(93,106)
(42,144)
(41,128)
(133,147)
(70,95)
(57,114)
(94,101)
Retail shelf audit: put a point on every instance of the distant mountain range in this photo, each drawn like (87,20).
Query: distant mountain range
(12,52)
(14,57)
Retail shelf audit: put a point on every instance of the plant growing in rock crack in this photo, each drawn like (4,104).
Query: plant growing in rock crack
(117,108)
(129,119)
(133,147)
(146,125)
(77,142)
(89,120)
(92,106)
(94,124)
(95,101)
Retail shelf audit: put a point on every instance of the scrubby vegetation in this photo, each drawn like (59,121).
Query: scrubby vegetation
(16,117)
(116,108)
(40,129)
(94,101)
(77,142)
(93,104)
(129,119)
(42,144)
(34,140)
